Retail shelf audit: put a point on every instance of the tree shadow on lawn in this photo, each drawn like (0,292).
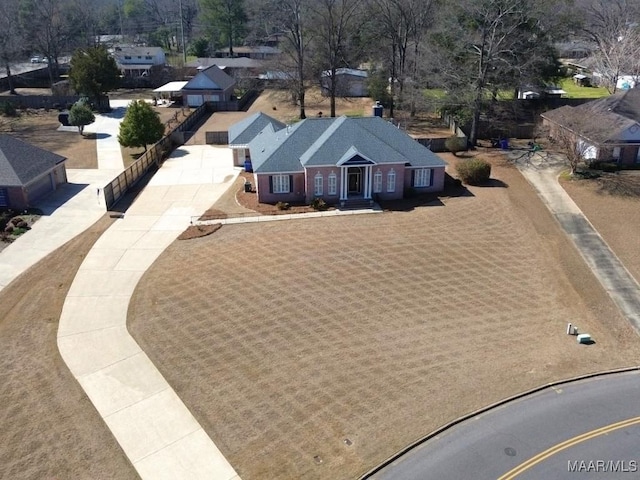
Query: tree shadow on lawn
(117,112)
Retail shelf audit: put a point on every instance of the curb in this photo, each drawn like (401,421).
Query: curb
(488,408)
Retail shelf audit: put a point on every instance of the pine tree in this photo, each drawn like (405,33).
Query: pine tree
(141,126)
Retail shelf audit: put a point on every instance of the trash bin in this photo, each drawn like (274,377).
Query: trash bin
(247,187)
(247,166)
(504,143)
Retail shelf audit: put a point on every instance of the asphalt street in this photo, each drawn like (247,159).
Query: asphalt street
(587,429)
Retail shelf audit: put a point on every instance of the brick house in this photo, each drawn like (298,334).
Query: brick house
(605,130)
(340,160)
(27,173)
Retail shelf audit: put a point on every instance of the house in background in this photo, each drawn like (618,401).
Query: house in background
(27,173)
(605,130)
(237,68)
(341,160)
(350,82)
(209,85)
(137,61)
(258,52)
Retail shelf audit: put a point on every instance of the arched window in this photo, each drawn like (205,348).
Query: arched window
(391,181)
(332,184)
(318,189)
(377,182)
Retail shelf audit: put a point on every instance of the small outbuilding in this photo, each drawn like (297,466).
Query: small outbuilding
(350,82)
(27,173)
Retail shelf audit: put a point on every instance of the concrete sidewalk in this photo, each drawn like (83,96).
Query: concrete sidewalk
(72,208)
(154,428)
(621,286)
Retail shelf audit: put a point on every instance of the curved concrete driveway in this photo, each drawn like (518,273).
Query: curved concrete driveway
(155,429)
(539,436)
(621,286)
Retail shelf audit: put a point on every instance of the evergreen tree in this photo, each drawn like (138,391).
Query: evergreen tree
(141,126)
(81,115)
(93,72)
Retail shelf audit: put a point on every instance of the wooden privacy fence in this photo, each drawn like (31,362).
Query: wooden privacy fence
(155,155)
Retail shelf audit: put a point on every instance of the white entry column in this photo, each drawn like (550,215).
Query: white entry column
(367,181)
(343,183)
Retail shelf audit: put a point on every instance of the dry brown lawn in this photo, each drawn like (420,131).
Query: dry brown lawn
(278,104)
(612,205)
(50,429)
(287,338)
(39,128)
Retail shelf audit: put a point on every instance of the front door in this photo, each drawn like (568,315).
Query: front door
(355,180)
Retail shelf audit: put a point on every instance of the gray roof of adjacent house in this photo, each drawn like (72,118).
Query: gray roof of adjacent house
(21,163)
(333,141)
(235,62)
(217,79)
(603,120)
(347,71)
(243,132)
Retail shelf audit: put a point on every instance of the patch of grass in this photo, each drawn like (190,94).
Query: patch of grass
(575,91)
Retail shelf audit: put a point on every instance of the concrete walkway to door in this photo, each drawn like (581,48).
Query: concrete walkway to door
(621,286)
(155,429)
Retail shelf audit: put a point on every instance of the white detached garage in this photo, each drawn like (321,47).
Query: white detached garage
(209,85)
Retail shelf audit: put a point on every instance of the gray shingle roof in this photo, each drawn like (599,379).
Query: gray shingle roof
(330,141)
(603,120)
(213,73)
(243,132)
(21,163)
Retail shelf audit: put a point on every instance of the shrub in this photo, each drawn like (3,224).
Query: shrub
(8,109)
(283,206)
(319,204)
(474,172)
(606,166)
(456,144)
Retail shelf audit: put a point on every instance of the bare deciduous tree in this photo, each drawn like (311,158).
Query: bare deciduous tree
(612,26)
(10,38)
(335,23)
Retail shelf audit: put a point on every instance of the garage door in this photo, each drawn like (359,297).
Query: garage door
(4,197)
(195,100)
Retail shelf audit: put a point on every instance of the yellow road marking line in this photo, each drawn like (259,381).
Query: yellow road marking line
(523,467)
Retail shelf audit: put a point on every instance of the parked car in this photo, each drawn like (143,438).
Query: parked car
(38,59)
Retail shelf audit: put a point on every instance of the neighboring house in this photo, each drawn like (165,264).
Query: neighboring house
(350,82)
(27,173)
(137,61)
(235,67)
(259,52)
(209,85)
(337,159)
(605,130)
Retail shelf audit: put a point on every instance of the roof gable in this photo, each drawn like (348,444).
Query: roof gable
(211,78)
(243,132)
(20,162)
